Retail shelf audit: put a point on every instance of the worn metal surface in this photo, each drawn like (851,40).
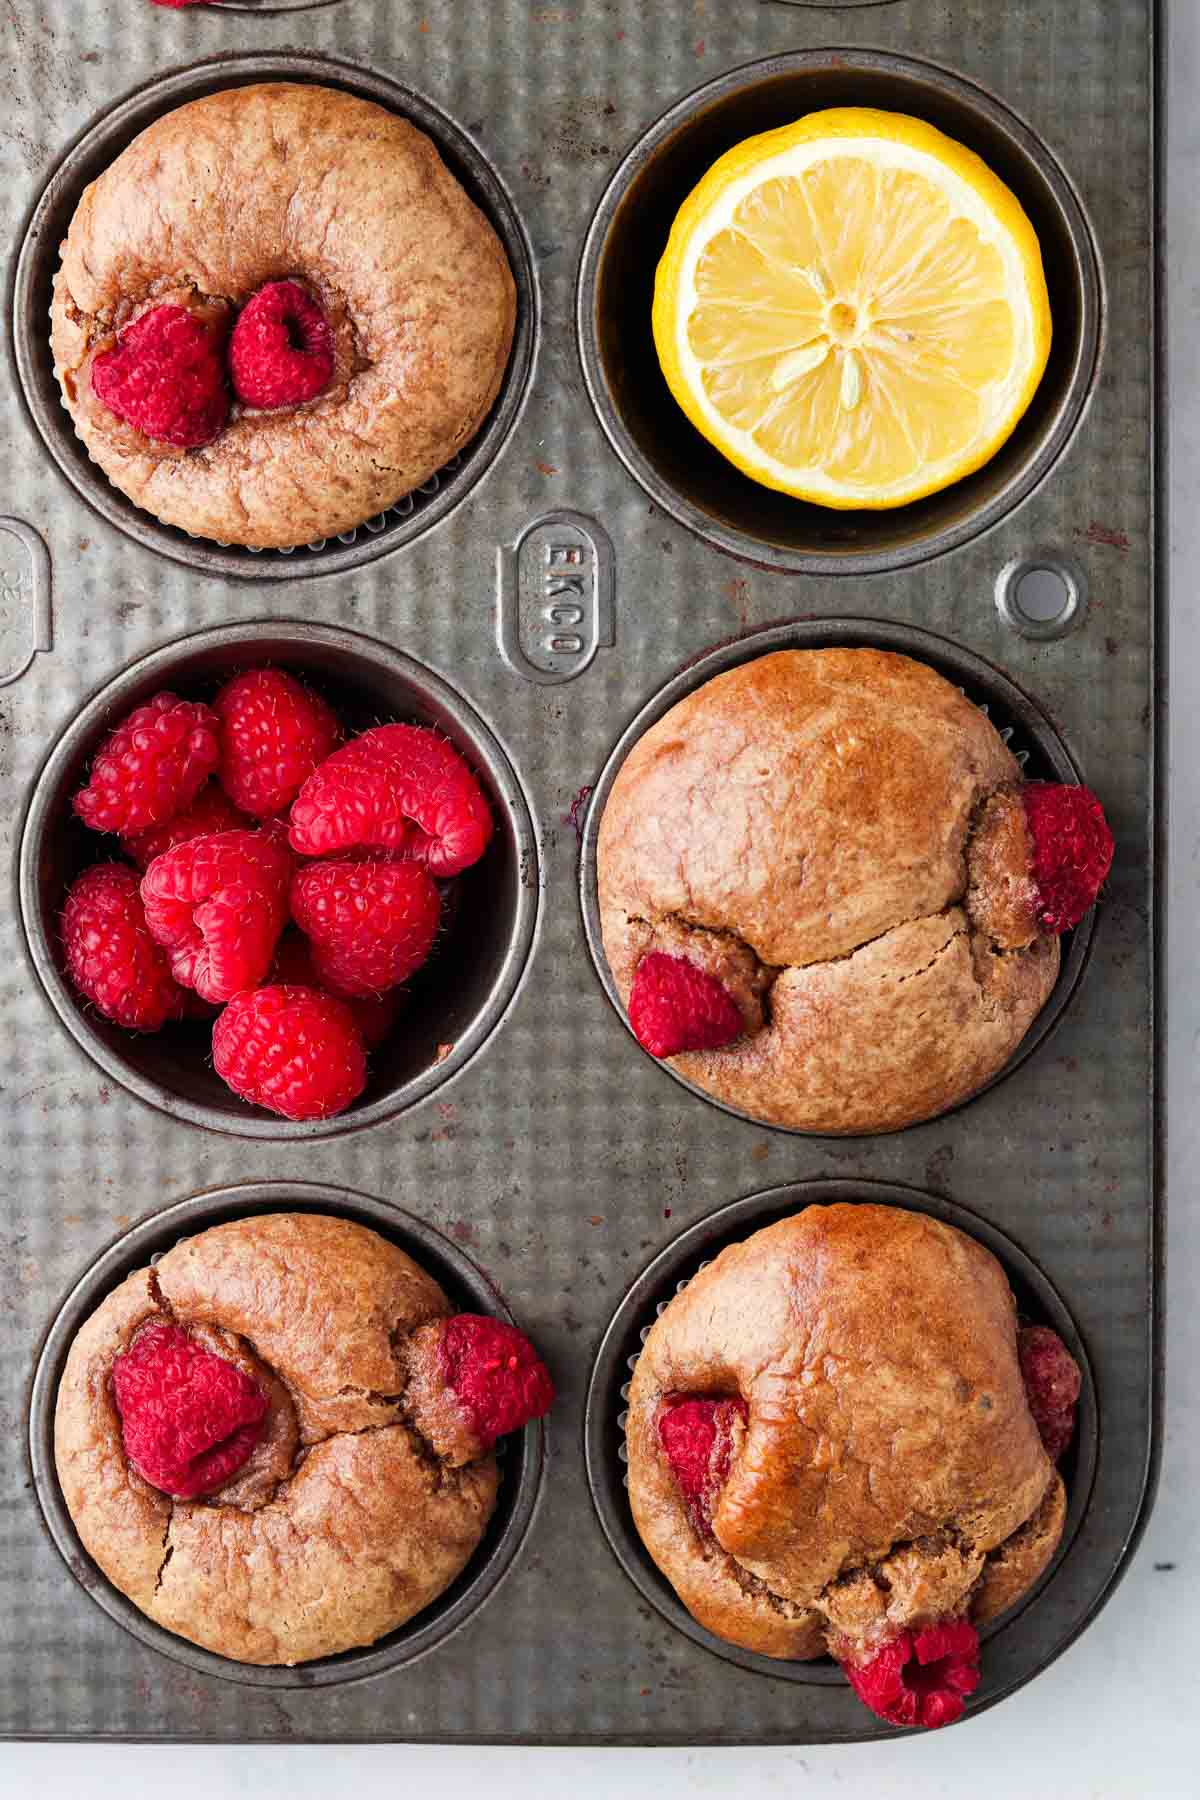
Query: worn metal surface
(562,1159)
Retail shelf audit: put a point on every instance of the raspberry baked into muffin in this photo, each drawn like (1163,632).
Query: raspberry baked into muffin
(827,894)
(277,1441)
(277,313)
(839,1442)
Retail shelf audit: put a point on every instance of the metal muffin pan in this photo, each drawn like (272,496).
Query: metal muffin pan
(94,150)
(465,1285)
(1029,734)
(562,1160)
(454,1004)
(669,1274)
(679,469)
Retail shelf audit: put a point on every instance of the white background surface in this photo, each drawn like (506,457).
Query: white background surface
(1117,1715)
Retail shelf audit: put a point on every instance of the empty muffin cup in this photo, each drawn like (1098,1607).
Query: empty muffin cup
(38,260)
(680,470)
(1021,724)
(670,1272)
(520,1456)
(453,1004)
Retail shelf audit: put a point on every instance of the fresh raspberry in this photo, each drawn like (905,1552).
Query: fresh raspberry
(396,787)
(189,1419)
(150,766)
(920,1677)
(166,377)
(210,811)
(275,732)
(217,905)
(496,1373)
(675,1006)
(291,1049)
(371,924)
(281,351)
(697,1440)
(374,1014)
(1072,850)
(110,954)
(1052,1384)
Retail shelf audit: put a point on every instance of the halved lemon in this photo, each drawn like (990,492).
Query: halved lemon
(853,309)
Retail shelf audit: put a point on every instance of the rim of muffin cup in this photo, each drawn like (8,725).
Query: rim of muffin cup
(685,475)
(521,1456)
(1006,704)
(671,1270)
(98,145)
(455,1003)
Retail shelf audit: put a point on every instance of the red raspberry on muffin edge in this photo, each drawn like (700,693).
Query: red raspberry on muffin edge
(371,924)
(395,787)
(275,732)
(920,1677)
(189,1419)
(1072,851)
(150,766)
(282,351)
(294,1050)
(218,905)
(675,1006)
(165,376)
(111,955)
(210,811)
(1053,1382)
(697,1440)
(496,1373)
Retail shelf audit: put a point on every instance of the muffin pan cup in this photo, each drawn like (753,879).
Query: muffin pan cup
(521,1457)
(37,264)
(1031,737)
(541,625)
(669,1273)
(452,1005)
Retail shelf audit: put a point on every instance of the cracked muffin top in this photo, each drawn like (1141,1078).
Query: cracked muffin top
(817,893)
(830,1440)
(278,313)
(277,1440)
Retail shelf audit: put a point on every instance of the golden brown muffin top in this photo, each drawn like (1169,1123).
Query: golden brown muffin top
(888,1457)
(345,1522)
(290,181)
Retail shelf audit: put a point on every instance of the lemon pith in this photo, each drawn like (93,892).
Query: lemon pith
(853,309)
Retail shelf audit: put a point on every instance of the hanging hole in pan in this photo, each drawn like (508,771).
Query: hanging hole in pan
(1041,596)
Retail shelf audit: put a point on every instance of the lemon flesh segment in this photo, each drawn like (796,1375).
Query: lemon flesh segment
(858,320)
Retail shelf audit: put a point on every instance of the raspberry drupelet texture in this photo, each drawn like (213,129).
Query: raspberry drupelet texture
(166,377)
(291,1049)
(217,905)
(374,1014)
(151,766)
(189,1419)
(675,1006)
(496,1373)
(371,924)
(275,731)
(110,954)
(281,352)
(920,1677)
(210,811)
(396,787)
(1052,1385)
(697,1437)
(1072,851)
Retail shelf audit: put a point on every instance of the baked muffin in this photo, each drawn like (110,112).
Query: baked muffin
(277,1440)
(277,313)
(831,1449)
(828,896)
